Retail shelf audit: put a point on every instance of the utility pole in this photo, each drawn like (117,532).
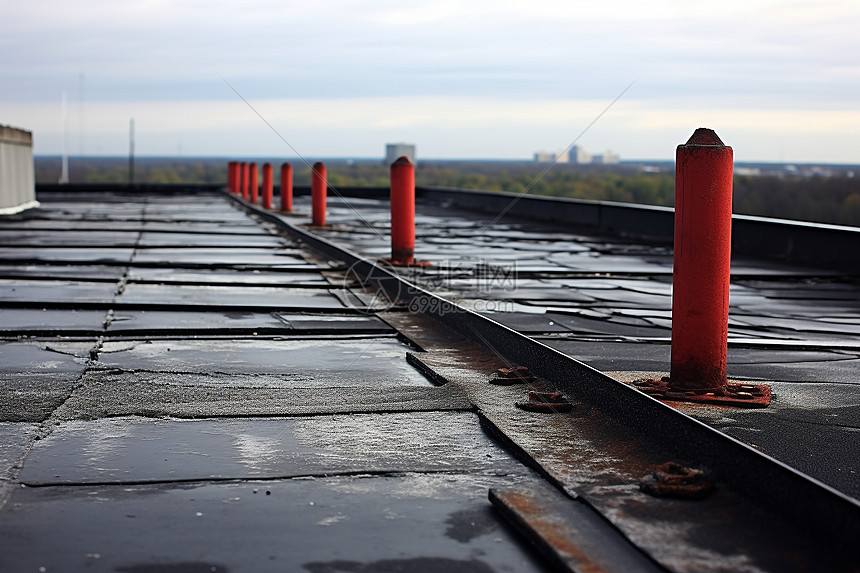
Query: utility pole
(64,169)
(131,152)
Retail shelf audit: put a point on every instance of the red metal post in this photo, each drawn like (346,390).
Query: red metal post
(402,211)
(703,246)
(318,194)
(286,188)
(254,183)
(246,178)
(267,186)
(231,176)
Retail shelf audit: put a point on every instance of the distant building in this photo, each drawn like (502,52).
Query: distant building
(748,171)
(546,157)
(579,155)
(394,151)
(576,155)
(17,171)
(607,158)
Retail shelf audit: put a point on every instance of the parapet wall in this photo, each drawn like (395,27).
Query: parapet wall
(797,242)
(17,174)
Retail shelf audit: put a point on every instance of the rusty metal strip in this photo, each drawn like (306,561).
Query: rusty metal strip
(569,534)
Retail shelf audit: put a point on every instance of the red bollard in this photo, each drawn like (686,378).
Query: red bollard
(237,177)
(286,188)
(246,177)
(318,194)
(402,211)
(254,183)
(267,186)
(231,176)
(702,260)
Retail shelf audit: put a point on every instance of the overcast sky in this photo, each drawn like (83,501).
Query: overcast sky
(777,80)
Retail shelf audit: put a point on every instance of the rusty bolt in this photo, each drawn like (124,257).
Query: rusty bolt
(549,397)
(514,372)
(545,402)
(510,376)
(678,481)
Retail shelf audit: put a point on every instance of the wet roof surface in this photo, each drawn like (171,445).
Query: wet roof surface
(190,390)
(606,301)
(184,390)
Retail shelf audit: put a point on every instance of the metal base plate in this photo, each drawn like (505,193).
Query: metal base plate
(742,395)
(413,263)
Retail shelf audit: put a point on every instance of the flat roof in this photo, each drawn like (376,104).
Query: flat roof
(191,382)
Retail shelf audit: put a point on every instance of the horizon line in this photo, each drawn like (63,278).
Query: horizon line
(427,159)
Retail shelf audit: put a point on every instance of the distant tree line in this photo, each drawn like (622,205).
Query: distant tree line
(146,170)
(833,200)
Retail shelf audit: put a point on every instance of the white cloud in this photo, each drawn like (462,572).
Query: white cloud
(474,127)
(546,67)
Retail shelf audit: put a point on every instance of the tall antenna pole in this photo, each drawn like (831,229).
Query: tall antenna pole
(81,116)
(131,152)
(64,169)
